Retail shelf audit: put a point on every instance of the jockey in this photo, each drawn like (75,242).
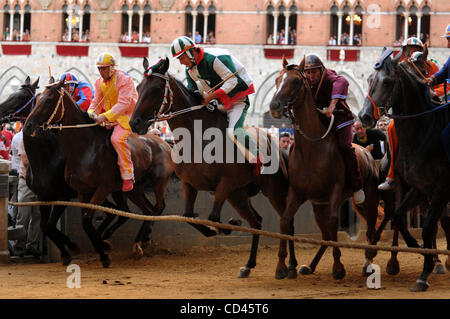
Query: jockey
(114,103)
(206,68)
(411,49)
(82,92)
(330,92)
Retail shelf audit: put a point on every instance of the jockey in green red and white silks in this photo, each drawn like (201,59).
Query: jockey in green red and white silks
(213,66)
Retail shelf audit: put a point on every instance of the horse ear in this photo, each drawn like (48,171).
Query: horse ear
(145,64)
(384,49)
(34,86)
(27,81)
(60,84)
(165,66)
(302,64)
(284,61)
(51,80)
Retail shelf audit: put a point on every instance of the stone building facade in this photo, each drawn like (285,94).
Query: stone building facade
(67,35)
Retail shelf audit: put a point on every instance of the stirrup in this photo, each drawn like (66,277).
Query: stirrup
(387,185)
(359,197)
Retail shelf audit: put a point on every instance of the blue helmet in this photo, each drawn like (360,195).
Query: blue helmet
(71,80)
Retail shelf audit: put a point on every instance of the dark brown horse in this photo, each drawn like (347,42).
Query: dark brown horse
(317,171)
(91,162)
(231,180)
(45,174)
(422,163)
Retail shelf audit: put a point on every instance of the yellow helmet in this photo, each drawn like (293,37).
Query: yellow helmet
(105,59)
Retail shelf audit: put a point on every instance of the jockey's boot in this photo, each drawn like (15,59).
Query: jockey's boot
(359,197)
(387,185)
(127,185)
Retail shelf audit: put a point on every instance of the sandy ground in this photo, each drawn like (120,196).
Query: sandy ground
(207,273)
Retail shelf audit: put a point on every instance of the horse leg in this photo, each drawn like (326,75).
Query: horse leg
(118,197)
(438,267)
(223,191)
(121,205)
(190,194)
(445,224)
(240,202)
(137,196)
(332,225)
(99,244)
(393,266)
(371,213)
(411,200)
(438,202)
(293,202)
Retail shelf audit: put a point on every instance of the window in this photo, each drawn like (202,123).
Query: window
(281,25)
(136,24)
(346,25)
(413,22)
(201,23)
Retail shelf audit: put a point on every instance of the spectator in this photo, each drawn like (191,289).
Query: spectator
(75,37)
(273,130)
(283,128)
(382,124)
(15,168)
(65,36)
(285,141)
(357,39)
(6,137)
(147,38)
(26,35)
(134,37)
(270,39)
(125,37)
(86,36)
(211,39)
(332,41)
(27,216)
(15,35)
(6,34)
(370,139)
(198,37)
(292,37)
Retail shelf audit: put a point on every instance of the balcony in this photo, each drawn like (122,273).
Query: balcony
(16,48)
(72,49)
(277,52)
(133,50)
(343,54)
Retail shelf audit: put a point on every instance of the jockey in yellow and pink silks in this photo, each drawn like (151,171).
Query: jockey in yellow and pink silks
(114,102)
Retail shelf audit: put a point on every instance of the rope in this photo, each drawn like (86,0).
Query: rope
(254,231)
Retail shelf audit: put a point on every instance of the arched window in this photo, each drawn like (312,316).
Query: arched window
(201,23)
(85,24)
(400,25)
(413,22)
(135,24)
(73,23)
(13,23)
(281,25)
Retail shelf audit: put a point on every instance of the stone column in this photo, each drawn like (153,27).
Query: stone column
(11,24)
(275,26)
(405,31)
(194,24)
(419,23)
(22,21)
(70,25)
(130,22)
(339,14)
(352,14)
(80,26)
(287,14)
(4,192)
(141,24)
(205,26)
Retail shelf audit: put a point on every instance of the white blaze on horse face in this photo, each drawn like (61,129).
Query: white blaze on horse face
(281,83)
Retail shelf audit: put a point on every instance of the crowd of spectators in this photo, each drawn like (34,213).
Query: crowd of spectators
(134,38)
(281,37)
(85,37)
(210,38)
(15,35)
(345,39)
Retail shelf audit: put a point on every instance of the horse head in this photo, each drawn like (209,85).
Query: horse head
(47,109)
(381,85)
(151,92)
(288,88)
(20,102)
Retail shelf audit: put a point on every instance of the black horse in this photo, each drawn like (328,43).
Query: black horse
(422,162)
(91,163)
(45,174)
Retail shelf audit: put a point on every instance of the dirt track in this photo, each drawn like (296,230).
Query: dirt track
(212,273)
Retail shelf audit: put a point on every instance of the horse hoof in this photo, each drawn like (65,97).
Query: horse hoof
(146,244)
(225,231)
(107,247)
(393,268)
(305,270)
(66,260)
(74,249)
(235,222)
(365,266)
(339,274)
(279,274)
(292,273)
(420,286)
(439,269)
(138,252)
(106,262)
(244,272)
(447,264)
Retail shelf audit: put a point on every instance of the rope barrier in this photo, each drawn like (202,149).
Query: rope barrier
(177,218)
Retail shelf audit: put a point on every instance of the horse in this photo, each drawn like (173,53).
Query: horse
(45,173)
(422,163)
(233,181)
(316,170)
(91,163)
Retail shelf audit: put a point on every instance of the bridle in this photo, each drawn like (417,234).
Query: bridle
(12,116)
(167,101)
(46,125)
(288,109)
(378,111)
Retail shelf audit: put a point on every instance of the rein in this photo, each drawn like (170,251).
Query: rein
(47,126)
(10,117)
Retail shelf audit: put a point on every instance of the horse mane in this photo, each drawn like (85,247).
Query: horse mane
(190,95)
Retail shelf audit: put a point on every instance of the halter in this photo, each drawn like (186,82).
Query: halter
(168,94)
(291,114)
(11,116)
(376,110)
(60,102)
